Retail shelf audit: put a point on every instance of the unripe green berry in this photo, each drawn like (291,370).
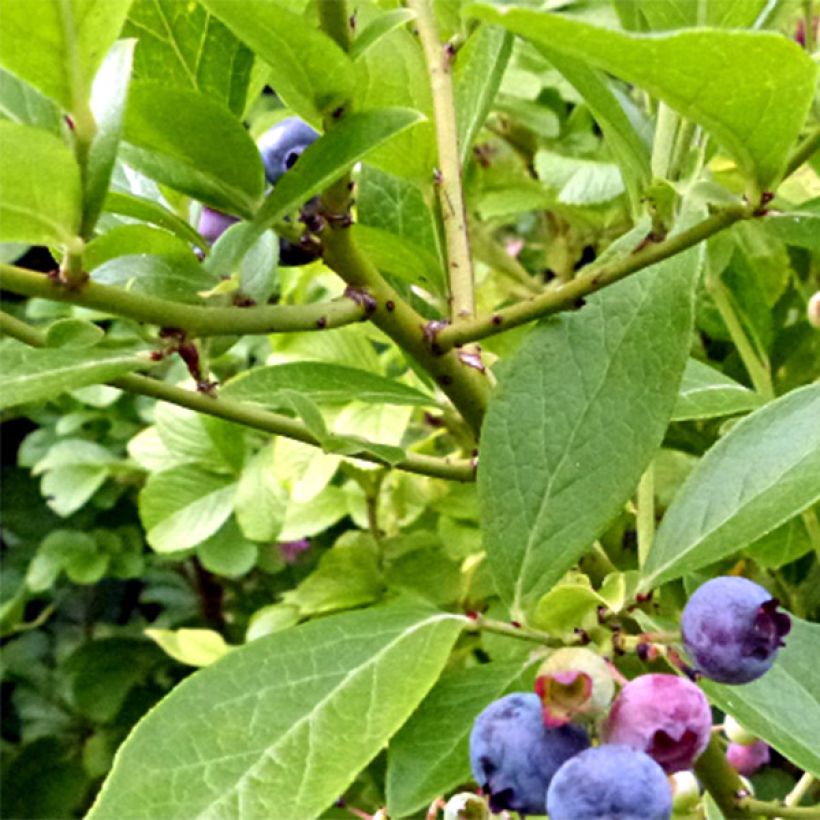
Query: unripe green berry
(685,792)
(466,806)
(736,733)
(813,310)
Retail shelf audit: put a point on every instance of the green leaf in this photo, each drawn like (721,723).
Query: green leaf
(31,374)
(285,721)
(40,198)
(579,412)
(178,278)
(672,14)
(710,76)
(479,67)
(21,103)
(397,206)
(132,240)
(193,647)
(430,754)
(108,106)
(332,155)
(309,71)
(73,333)
(706,393)
(347,576)
(227,552)
(184,46)
(256,267)
(800,227)
(183,506)
(579,181)
(378,28)
(781,546)
(61,53)
(136,207)
(764,472)
(192,144)
(324,383)
(310,517)
(260,501)
(782,707)
(393,73)
(400,257)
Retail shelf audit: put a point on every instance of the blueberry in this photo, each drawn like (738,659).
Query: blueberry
(610,782)
(212,224)
(665,716)
(514,756)
(282,144)
(747,759)
(732,629)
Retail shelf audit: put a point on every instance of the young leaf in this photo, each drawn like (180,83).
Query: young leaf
(429,756)
(309,71)
(194,647)
(61,53)
(579,412)
(800,227)
(132,240)
(193,145)
(21,103)
(37,374)
(40,199)
(706,393)
(260,501)
(477,74)
(766,470)
(782,707)
(283,723)
(183,506)
(227,552)
(324,383)
(184,46)
(710,76)
(108,105)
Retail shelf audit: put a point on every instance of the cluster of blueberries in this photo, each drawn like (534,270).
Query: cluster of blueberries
(280,147)
(528,756)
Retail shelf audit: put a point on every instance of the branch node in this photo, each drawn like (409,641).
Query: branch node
(362,298)
(472,358)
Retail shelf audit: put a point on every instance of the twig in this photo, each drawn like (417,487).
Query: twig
(249,415)
(439,60)
(590,279)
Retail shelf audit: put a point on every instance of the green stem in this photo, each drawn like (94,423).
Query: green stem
(800,789)
(683,144)
(803,152)
(247,414)
(450,191)
(663,146)
(335,21)
(719,778)
(466,386)
(808,22)
(755,808)
(756,368)
(592,278)
(195,319)
(646,514)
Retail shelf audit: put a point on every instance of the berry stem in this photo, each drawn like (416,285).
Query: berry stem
(720,779)
(450,191)
(524,633)
(756,808)
(799,791)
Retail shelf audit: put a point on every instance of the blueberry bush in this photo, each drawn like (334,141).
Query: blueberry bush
(410,408)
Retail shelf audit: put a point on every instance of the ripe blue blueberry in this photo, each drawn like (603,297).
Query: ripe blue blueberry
(514,756)
(732,629)
(665,716)
(610,782)
(282,144)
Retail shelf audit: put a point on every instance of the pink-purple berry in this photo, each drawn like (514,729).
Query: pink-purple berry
(665,716)
(747,759)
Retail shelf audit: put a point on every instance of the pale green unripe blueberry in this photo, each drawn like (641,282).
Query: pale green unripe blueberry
(685,792)
(466,806)
(736,733)
(813,310)
(573,682)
